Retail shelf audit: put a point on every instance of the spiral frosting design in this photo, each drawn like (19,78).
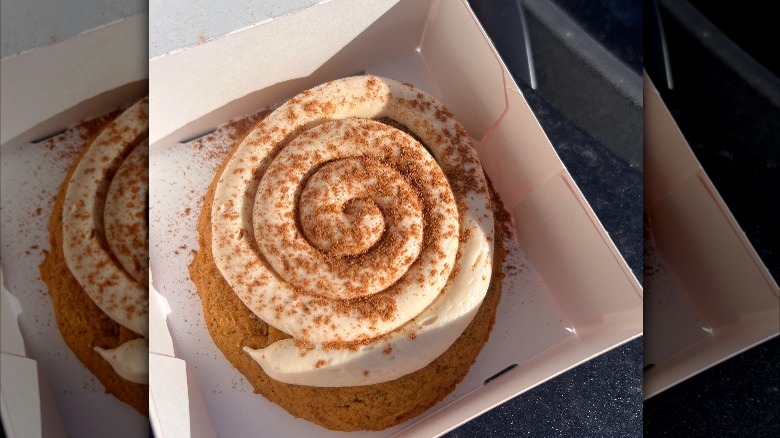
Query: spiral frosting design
(343,216)
(105,226)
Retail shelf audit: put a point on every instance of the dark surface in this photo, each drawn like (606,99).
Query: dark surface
(505,17)
(615,24)
(584,95)
(739,397)
(566,78)
(603,396)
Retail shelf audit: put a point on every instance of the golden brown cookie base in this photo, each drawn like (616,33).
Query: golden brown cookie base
(82,324)
(374,407)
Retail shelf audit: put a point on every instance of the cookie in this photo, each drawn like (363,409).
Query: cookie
(372,407)
(365,283)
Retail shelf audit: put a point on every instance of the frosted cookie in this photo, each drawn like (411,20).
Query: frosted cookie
(347,265)
(96,268)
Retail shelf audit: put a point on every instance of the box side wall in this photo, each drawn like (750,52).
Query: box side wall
(717,271)
(668,160)
(583,271)
(40,85)
(468,73)
(695,231)
(517,168)
(590,301)
(572,254)
(701,356)
(709,256)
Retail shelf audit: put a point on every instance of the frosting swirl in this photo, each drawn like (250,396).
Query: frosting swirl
(105,230)
(350,234)
(125,214)
(130,360)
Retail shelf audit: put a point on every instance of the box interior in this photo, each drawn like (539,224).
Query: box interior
(709,294)
(573,297)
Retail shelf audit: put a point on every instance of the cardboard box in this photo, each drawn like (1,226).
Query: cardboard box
(574,299)
(709,296)
(45,390)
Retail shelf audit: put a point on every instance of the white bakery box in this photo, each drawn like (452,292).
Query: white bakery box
(44,389)
(708,296)
(573,299)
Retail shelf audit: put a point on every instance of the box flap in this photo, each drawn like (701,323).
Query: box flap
(182,83)
(161,343)
(177,409)
(43,83)
(11,340)
(25,398)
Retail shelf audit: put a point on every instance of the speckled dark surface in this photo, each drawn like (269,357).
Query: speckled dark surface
(739,397)
(589,98)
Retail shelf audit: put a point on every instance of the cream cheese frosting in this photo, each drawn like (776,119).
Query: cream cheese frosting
(372,249)
(127,233)
(130,360)
(105,233)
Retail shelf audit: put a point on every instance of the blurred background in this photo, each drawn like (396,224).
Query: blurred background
(718,76)
(63,63)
